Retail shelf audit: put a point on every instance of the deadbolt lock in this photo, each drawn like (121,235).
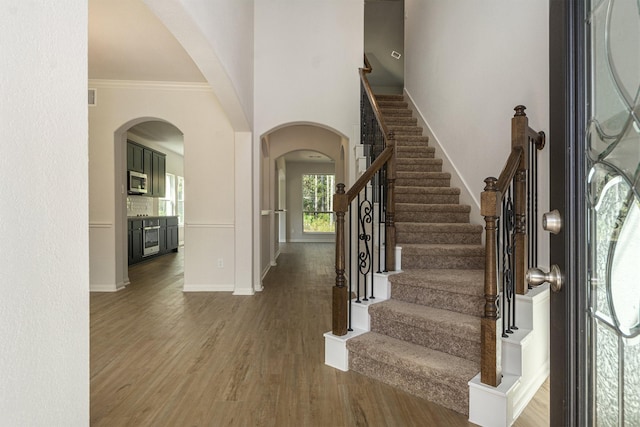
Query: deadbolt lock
(552,221)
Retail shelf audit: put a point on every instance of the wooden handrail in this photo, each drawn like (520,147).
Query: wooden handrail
(378,164)
(509,171)
(342,200)
(367,66)
(372,98)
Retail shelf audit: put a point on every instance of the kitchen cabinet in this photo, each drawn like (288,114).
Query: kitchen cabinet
(150,162)
(135,160)
(172,234)
(135,241)
(158,187)
(167,237)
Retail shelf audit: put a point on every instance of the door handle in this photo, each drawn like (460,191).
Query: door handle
(536,277)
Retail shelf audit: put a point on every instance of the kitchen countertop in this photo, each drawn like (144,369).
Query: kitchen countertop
(151,217)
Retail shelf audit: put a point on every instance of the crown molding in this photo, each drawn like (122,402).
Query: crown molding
(156,85)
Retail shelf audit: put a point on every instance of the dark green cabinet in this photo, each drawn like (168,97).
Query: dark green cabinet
(150,162)
(135,160)
(158,188)
(135,241)
(172,234)
(167,238)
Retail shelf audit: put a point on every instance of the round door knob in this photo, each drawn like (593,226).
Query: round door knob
(552,221)
(536,277)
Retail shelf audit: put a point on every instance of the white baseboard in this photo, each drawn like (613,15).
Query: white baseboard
(208,288)
(106,288)
(317,240)
(244,292)
(264,272)
(336,354)
(492,406)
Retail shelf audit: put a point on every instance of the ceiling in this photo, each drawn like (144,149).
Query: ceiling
(306,156)
(128,42)
(164,134)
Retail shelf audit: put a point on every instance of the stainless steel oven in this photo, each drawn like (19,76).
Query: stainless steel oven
(151,236)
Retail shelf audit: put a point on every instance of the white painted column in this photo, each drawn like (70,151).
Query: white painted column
(245,258)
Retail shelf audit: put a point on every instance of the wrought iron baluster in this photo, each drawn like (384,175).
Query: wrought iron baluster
(508,230)
(365,212)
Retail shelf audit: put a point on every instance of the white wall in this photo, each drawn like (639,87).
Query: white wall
(307,55)
(218,35)
(306,59)
(209,170)
(383,34)
(467,65)
(44,361)
(228,26)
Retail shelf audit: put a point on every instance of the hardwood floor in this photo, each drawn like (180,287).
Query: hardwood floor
(161,357)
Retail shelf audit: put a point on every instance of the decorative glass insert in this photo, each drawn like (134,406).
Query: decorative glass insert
(613,216)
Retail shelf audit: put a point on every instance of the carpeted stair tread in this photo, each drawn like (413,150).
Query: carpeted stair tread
(423,179)
(430,374)
(427,190)
(413,151)
(457,290)
(466,282)
(383,104)
(441,233)
(400,121)
(442,213)
(427,195)
(443,249)
(396,112)
(421,207)
(414,174)
(442,256)
(405,130)
(390,97)
(454,333)
(418,165)
(411,141)
(429,318)
(421,227)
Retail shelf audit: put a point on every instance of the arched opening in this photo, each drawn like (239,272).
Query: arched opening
(293,154)
(163,141)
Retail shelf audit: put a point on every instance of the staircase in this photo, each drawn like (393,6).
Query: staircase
(425,339)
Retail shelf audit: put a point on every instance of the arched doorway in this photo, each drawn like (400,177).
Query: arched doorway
(288,153)
(162,137)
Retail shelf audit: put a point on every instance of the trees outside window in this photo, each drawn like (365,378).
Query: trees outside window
(317,203)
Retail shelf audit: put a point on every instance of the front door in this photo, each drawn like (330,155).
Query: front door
(595,184)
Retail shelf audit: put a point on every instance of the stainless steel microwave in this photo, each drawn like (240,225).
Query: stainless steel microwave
(137,182)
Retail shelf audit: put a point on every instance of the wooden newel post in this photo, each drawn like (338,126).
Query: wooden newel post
(490,370)
(340,292)
(390,242)
(519,127)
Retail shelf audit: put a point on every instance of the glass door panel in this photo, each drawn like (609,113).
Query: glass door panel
(613,213)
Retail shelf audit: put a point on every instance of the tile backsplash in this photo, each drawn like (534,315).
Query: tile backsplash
(139,205)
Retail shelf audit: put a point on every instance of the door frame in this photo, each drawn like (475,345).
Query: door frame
(568,96)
